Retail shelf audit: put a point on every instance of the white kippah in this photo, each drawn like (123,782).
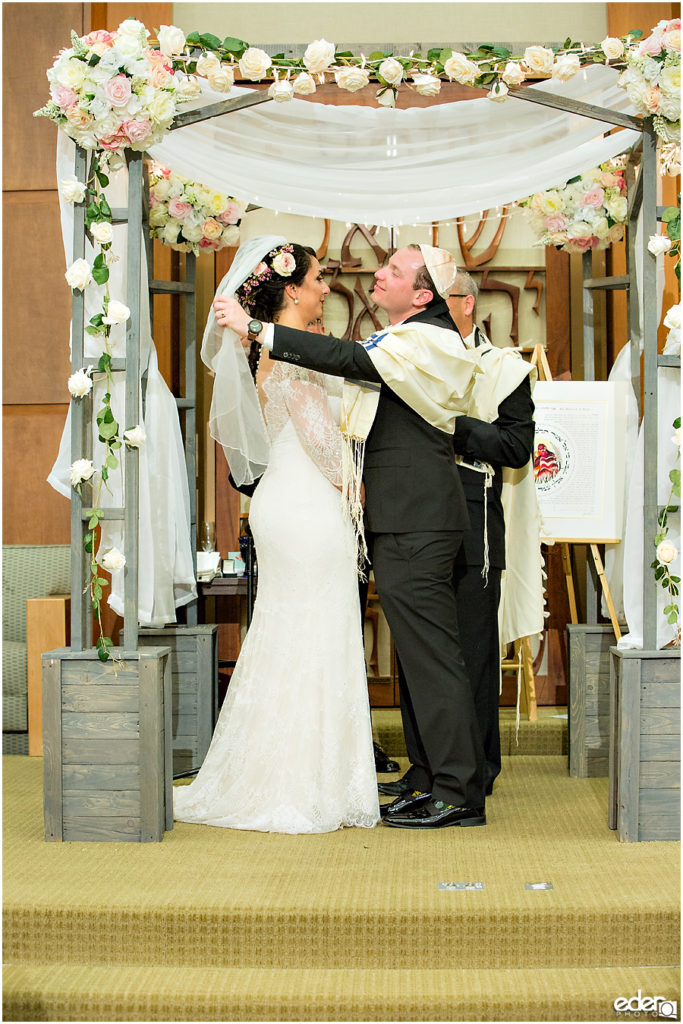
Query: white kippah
(442,268)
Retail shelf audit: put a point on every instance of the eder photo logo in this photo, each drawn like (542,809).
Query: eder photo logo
(639,1005)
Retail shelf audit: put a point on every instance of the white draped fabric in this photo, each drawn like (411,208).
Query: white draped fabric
(166,576)
(388,166)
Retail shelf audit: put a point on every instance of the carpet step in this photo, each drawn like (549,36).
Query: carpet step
(120,993)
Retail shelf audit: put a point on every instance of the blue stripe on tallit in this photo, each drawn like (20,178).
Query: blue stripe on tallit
(374,340)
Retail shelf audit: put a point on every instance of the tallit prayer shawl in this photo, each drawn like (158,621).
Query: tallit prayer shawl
(424,365)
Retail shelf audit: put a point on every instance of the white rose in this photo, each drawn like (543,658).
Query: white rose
(670,106)
(659,244)
(386,98)
(600,226)
(460,69)
(498,92)
(102,232)
(157,216)
(130,48)
(672,320)
(207,64)
(72,190)
(78,275)
(282,91)
(677,437)
(666,552)
(162,188)
(612,48)
(318,56)
(71,73)
(566,67)
(579,229)
(391,71)
(192,232)
(284,264)
(222,79)
(117,313)
(539,59)
(617,207)
(254,63)
(161,108)
(352,79)
(670,79)
(304,84)
(79,384)
(187,86)
(112,560)
(131,27)
(231,235)
(169,235)
(136,436)
(171,40)
(513,74)
(80,470)
(426,84)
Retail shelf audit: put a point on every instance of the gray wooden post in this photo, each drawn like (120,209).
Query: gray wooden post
(132,410)
(650,324)
(81,440)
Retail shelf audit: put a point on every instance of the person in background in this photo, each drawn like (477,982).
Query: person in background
(482,450)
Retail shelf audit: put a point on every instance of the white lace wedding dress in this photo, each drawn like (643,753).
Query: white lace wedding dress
(292,751)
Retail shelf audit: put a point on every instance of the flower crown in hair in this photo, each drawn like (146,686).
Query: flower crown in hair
(281,261)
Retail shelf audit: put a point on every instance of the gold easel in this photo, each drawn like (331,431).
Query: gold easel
(540,361)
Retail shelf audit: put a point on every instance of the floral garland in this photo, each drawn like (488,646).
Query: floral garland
(589,212)
(113,91)
(80,275)
(189,217)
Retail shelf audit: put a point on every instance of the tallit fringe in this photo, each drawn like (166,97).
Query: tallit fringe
(353,457)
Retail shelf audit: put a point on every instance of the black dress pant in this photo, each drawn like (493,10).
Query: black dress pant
(477,602)
(414,577)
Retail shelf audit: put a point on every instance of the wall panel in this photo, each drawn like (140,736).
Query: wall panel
(32,511)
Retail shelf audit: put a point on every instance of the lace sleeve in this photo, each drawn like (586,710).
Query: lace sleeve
(305,397)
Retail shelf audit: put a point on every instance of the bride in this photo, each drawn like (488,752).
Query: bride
(292,750)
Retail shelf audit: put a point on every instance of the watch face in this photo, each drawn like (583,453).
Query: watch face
(255,327)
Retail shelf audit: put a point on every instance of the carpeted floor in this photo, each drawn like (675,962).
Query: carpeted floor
(215,924)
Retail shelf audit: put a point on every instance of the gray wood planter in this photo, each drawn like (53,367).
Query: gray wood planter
(589,682)
(645,745)
(194,686)
(106,746)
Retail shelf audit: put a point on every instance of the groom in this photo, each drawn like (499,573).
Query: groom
(415,515)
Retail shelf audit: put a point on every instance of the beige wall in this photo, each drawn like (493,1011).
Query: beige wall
(412,22)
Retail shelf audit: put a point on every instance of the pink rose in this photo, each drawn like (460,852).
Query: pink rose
(581,244)
(652,98)
(100,35)
(160,75)
(63,96)
(99,48)
(593,197)
(178,209)
(261,267)
(557,223)
(230,215)
(136,131)
(652,46)
(117,140)
(208,243)
(609,180)
(158,59)
(621,183)
(117,90)
(211,228)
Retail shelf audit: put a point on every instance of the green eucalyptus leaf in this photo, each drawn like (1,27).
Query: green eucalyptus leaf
(93,522)
(104,473)
(100,274)
(87,542)
(112,462)
(94,331)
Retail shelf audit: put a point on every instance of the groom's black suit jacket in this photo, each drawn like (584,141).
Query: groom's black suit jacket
(411,481)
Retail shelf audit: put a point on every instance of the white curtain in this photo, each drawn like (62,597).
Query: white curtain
(165,576)
(388,166)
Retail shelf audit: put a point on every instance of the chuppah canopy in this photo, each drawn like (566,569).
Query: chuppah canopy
(387,166)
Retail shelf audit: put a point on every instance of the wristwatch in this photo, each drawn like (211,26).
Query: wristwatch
(254,328)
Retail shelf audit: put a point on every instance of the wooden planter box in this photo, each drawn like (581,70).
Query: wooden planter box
(106,746)
(194,687)
(589,700)
(645,745)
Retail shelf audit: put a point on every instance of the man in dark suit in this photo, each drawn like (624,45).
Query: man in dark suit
(508,441)
(415,515)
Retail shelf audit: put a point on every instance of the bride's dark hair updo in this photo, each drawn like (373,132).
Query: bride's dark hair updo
(263,292)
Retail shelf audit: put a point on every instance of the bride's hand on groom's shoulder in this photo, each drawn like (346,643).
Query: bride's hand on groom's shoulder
(230,314)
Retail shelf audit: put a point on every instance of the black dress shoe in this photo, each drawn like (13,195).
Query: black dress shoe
(383,763)
(437,814)
(407,802)
(398,788)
